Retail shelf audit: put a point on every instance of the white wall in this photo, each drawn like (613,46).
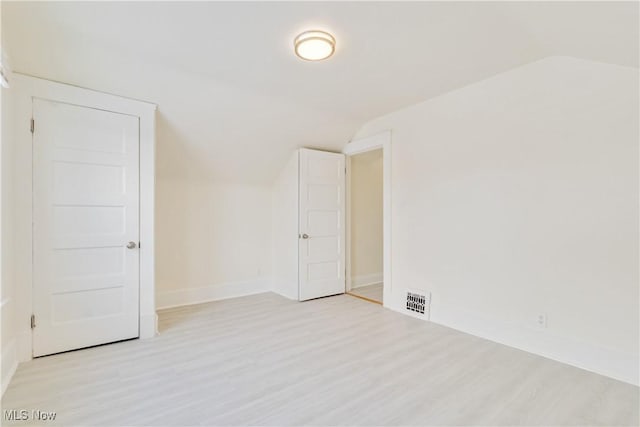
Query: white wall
(285,208)
(518,196)
(213,240)
(365,193)
(8,353)
(8,335)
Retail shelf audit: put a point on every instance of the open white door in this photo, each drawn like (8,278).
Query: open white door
(322,224)
(85,227)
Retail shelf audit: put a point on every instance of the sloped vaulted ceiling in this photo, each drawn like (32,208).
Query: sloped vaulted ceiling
(234,100)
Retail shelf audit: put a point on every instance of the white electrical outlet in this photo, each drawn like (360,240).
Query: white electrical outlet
(541,321)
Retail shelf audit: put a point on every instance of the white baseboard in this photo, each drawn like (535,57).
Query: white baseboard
(366,280)
(544,342)
(9,363)
(220,291)
(284,288)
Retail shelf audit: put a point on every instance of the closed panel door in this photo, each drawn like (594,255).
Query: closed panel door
(322,224)
(85,227)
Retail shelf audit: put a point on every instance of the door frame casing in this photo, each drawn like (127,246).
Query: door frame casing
(24,89)
(378,141)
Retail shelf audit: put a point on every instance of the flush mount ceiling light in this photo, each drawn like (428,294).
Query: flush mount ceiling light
(314,45)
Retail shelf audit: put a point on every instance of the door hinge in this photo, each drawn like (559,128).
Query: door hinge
(33,321)
(33,125)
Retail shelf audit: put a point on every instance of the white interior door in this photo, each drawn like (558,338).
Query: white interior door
(85,227)
(322,224)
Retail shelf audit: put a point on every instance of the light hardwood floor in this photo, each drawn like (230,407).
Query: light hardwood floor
(373,292)
(264,360)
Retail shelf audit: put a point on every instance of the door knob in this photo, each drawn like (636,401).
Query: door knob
(131,245)
(305,236)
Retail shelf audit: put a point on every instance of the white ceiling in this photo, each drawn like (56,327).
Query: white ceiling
(233,99)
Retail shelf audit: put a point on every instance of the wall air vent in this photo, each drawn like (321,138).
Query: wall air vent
(418,302)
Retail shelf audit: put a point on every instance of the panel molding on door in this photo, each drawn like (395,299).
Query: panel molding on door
(322,224)
(85,211)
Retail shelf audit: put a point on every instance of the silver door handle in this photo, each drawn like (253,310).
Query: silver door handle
(131,245)
(305,236)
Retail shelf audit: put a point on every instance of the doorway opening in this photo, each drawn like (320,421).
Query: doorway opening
(366,218)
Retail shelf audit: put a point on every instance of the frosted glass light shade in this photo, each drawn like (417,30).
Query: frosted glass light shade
(314,45)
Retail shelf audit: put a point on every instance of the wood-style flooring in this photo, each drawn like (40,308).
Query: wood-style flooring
(264,360)
(372,292)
